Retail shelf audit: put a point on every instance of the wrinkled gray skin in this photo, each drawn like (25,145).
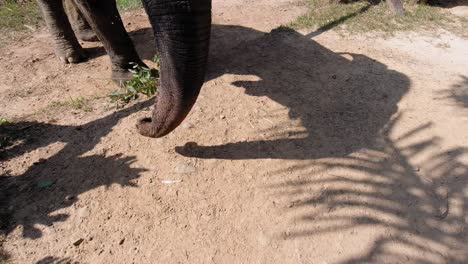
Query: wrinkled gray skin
(182,32)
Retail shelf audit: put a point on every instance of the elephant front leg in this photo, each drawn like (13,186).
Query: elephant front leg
(67,48)
(79,24)
(105,20)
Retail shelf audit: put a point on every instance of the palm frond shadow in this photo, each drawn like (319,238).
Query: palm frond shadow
(458,94)
(407,187)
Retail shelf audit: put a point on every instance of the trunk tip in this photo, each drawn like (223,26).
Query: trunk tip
(145,127)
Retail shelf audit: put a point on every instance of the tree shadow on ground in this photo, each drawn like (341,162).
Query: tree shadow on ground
(54,260)
(421,206)
(458,94)
(446,3)
(30,199)
(339,21)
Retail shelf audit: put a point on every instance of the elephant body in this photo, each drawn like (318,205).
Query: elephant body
(182,31)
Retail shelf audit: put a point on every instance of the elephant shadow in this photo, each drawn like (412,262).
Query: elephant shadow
(342,100)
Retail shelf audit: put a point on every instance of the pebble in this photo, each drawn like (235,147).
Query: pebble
(187,125)
(182,168)
(40,161)
(83,212)
(78,242)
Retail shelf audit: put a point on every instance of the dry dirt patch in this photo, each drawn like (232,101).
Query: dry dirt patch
(299,150)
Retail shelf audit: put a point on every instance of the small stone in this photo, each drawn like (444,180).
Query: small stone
(40,161)
(69,197)
(122,241)
(222,116)
(187,125)
(182,168)
(83,212)
(78,242)
(263,239)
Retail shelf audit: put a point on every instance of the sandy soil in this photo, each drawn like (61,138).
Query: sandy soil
(460,8)
(304,147)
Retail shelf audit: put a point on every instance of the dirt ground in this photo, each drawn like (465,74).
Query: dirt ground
(304,147)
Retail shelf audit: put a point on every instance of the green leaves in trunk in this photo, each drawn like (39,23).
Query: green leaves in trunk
(142,82)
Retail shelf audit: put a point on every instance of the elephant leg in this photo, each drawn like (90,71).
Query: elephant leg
(80,26)
(67,47)
(105,20)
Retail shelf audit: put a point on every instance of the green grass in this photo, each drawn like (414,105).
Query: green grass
(361,16)
(142,82)
(18,17)
(23,16)
(78,103)
(4,121)
(128,4)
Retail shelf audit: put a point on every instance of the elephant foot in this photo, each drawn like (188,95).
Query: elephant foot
(71,55)
(123,74)
(87,35)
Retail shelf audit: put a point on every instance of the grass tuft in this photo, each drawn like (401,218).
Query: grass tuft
(26,15)
(19,16)
(78,103)
(4,121)
(128,4)
(362,16)
(283,28)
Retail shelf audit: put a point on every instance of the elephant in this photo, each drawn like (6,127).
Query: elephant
(182,31)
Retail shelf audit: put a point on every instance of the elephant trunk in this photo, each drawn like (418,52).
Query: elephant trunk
(182,31)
